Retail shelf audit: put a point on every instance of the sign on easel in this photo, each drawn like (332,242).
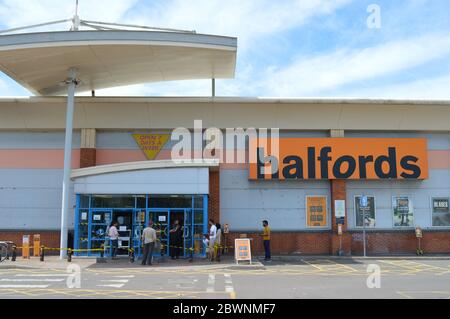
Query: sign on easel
(242,250)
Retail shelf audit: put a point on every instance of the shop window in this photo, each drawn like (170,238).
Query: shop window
(172,201)
(84,201)
(140,201)
(112,201)
(198,201)
(441,212)
(368,212)
(403,211)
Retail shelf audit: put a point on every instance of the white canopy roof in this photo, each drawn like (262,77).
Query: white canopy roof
(104,59)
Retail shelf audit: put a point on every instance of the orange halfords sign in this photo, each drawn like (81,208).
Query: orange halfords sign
(339,158)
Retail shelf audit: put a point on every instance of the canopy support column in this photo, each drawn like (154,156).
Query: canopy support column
(72,83)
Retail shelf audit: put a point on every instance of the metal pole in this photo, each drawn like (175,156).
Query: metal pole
(213,87)
(364,230)
(67,160)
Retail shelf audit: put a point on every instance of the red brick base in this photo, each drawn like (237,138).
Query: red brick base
(386,243)
(308,243)
(327,243)
(49,238)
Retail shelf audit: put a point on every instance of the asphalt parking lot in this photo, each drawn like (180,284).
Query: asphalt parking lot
(314,277)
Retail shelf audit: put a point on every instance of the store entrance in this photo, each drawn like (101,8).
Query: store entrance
(125,220)
(95,213)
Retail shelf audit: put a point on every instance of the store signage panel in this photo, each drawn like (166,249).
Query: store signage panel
(339,158)
(151,144)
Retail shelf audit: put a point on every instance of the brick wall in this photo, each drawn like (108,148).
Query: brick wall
(48,238)
(88,157)
(308,243)
(322,243)
(401,242)
(214,196)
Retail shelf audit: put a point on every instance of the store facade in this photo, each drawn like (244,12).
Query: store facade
(394,153)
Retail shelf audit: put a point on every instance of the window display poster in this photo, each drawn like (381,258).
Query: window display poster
(441,211)
(316,211)
(369,212)
(403,211)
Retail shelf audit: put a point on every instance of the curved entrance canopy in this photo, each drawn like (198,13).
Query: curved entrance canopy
(105,59)
(148,177)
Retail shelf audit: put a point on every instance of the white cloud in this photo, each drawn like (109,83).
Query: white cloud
(19,13)
(315,75)
(246,19)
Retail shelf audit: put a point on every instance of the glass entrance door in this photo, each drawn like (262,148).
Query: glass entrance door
(100,220)
(161,222)
(188,233)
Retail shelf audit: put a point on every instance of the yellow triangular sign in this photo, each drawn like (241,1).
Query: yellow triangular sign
(151,144)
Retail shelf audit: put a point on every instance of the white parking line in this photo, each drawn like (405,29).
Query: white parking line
(42,275)
(24,286)
(228,283)
(115,280)
(211,283)
(30,280)
(113,285)
(229,286)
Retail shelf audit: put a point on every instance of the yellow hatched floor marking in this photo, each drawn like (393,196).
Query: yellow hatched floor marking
(433,293)
(107,293)
(330,266)
(414,267)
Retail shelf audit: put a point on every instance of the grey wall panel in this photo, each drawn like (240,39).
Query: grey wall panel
(31,199)
(115,140)
(36,140)
(420,192)
(244,204)
(436,141)
(31,178)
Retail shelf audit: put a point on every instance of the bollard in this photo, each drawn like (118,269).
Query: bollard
(191,256)
(14,253)
(42,252)
(69,255)
(131,255)
(102,251)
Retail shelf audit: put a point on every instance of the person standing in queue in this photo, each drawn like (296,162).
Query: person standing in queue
(176,240)
(212,237)
(113,234)
(149,240)
(266,240)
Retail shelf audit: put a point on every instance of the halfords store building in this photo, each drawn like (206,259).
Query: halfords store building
(113,178)
(329,154)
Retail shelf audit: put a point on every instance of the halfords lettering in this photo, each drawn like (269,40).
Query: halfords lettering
(340,158)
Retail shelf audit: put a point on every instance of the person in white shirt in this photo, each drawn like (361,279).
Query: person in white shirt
(149,240)
(206,244)
(114,237)
(212,237)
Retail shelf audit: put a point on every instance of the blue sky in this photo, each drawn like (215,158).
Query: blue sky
(286,48)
